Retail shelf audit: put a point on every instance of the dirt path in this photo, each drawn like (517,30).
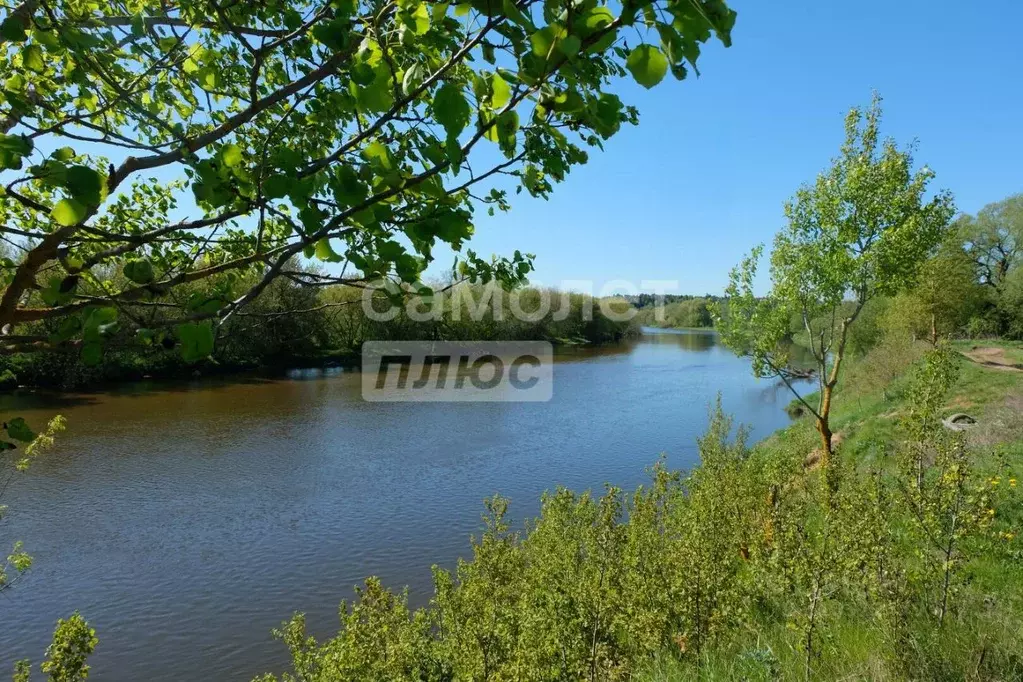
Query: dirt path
(993,357)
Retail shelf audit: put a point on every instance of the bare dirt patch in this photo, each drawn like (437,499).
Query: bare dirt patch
(1003,425)
(993,357)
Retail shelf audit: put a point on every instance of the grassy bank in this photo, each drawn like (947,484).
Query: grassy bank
(875,397)
(875,403)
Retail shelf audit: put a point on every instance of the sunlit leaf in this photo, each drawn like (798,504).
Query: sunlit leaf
(647,64)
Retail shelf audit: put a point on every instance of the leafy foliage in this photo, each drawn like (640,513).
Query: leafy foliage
(73,642)
(689,312)
(994,239)
(147,146)
(862,230)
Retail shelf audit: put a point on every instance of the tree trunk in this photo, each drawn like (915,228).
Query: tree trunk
(824,425)
(825,431)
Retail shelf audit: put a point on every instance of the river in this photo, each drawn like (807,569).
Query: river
(185,520)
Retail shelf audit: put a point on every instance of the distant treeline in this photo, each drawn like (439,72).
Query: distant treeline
(676,311)
(644,300)
(289,325)
(970,287)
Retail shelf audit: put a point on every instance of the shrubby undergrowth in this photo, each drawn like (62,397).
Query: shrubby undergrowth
(752,565)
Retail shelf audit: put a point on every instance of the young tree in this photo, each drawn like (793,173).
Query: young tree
(862,230)
(945,296)
(148,145)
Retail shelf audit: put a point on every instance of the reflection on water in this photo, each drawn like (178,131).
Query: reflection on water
(187,519)
(689,339)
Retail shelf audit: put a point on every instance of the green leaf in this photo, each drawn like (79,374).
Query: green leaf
(231,155)
(349,190)
(139,271)
(451,109)
(13,29)
(13,148)
(277,186)
(488,53)
(98,322)
(570,45)
(370,52)
(647,64)
(325,252)
(376,94)
(63,154)
(53,173)
(334,34)
(19,430)
(68,212)
(418,19)
(378,156)
(412,79)
(196,340)
(501,92)
(32,58)
(594,21)
(543,40)
(512,11)
(85,185)
(198,303)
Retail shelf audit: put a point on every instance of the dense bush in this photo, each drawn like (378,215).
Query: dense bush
(751,563)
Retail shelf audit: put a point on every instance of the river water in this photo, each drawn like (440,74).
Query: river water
(185,520)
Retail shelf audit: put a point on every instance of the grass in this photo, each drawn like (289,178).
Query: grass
(868,405)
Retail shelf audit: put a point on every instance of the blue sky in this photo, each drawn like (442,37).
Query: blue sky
(703,177)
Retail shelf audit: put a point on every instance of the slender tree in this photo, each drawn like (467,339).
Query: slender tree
(861,230)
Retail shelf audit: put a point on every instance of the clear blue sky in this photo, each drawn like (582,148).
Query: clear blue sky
(704,176)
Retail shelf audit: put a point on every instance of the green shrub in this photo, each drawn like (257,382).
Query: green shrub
(749,566)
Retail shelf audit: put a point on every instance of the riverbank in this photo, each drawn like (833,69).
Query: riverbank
(62,371)
(899,559)
(875,402)
(874,397)
(330,331)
